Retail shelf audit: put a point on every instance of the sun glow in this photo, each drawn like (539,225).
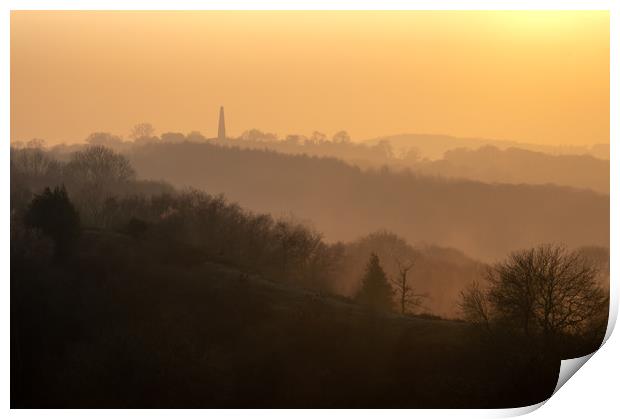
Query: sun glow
(545,21)
(533,76)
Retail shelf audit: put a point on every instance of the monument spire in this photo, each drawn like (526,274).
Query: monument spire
(221,129)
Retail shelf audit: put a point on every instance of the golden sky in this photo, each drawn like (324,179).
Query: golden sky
(540,77)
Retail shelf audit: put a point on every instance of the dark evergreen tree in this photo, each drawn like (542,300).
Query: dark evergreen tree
(54,215)
(376,291)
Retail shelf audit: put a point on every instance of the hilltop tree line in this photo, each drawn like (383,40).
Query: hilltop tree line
(97,190)
(467,215)
(339,145)
(147,288)
(461,160)
(103,186)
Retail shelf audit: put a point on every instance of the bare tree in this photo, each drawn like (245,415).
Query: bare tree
(296,246)
(96,174)
(545,291)
(406,294)
(341,137)
(36,143)
(33,162)
(317,137)
(99,164)
(258,135)
(474,305)
(142,130)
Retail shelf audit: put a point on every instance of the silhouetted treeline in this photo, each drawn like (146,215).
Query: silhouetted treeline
(94,177)
(108,195)
(513,165)
(483,220)
(473,159)
(439,273)
(434,146)
(197,226)
(318,144)
(129,293)
(124,323)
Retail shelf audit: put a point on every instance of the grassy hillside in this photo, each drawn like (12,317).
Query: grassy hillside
(123,326)
(141,296)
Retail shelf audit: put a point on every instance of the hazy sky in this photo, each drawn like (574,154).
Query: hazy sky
(539,77)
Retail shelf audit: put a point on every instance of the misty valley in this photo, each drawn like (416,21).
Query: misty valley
(244,209)
(179,271)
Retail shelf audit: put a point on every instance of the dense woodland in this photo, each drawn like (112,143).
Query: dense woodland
(457,158)
(515,166)
(328,285)
(486,221)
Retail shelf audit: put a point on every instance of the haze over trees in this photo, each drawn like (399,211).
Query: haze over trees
(433,146)
(152,294)
(104,189)
(463,215)
(278,257)
(483,160)
(466,215)
(513,165)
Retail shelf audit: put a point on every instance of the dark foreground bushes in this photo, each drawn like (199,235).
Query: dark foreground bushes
(181,299)
(116,327)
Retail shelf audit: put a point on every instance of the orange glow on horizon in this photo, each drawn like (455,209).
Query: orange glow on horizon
(539,77)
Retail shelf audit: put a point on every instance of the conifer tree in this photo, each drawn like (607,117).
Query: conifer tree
(375,291)
(54,215)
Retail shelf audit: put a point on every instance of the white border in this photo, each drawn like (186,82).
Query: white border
(592,393)
(311,5)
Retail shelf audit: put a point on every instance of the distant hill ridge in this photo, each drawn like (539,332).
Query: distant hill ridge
(516,165)
(345,202)
(432,146)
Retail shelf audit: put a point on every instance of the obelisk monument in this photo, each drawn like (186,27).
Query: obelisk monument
(221,129)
